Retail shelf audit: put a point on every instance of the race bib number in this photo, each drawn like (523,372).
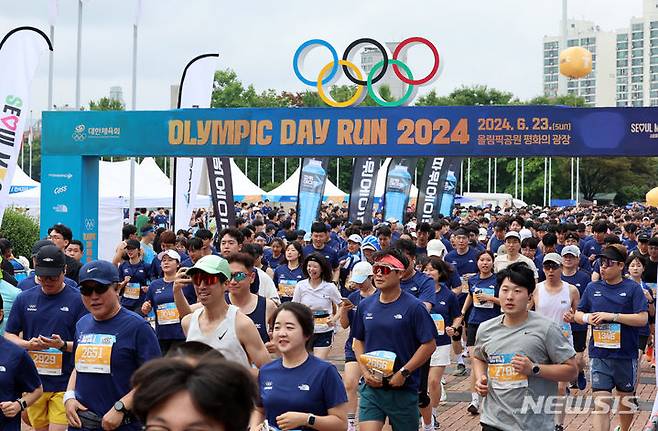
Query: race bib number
(287,288)
(94,353)
(607,336)
(503,375)
(566,329)
(380,362)
(167,314)
(465,288)
(487,291)
(652,286)
(439,323)
(132,291)
(48,362)
(321,320)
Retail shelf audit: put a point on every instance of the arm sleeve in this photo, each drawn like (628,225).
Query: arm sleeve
(424,327)
(14,322)
(357,324)
(149,292)
(335,295)
(560,348)
(190,293)
(455,280)
(584,304)
(333,388)
(427,293)
(147,344)
(640,303)
(27,377)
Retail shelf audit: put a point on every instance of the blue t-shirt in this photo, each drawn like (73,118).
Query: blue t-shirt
(645,331)
(495,244)
(630,244)
(329,253)
(488,310)
(420,286)
(167,320)
(447,306)
(155,270)
(580,279)
(355,298)
(285,280)
(17,375)
(161,220)
(30,281)
(591,247)
(34,313)
(130,341)
(9,294)
(139,274)
(465,263)
(400,327)
(273,262)
(313,387)
(626,298)
(447,243)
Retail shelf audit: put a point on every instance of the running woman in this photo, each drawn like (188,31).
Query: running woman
(289,273)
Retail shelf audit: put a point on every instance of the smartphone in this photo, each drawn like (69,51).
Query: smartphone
(346,300)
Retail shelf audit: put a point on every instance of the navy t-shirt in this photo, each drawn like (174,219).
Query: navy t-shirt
(580,279)
(313,387)
(487,310)
(29,282)
(465,263)
(329,253)
(626,298)
(34,313)
(591,247)
(400,327)
(272,262)
(139,274)
(167,319)
(17,375)
(447,306)
(495,244)
(101,380)
(645,330)
(421,286)
(355,298)
(285,280)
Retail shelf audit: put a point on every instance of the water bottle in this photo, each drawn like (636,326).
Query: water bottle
(311,187)
(448,198)
(397,192)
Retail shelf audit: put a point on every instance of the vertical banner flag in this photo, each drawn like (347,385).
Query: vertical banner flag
(195,92)
(221,190)
(449,181)
(20,51)
(398,185)
(432,187)
(364,178)
(312,178)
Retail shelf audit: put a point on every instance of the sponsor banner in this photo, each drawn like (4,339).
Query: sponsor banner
(221,191)
(312,179)
(431,187)
(419,131)
(20,52)
(399,177)
(450,181)
(364,179)
(195,92)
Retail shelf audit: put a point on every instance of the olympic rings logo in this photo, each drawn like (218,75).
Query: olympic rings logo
(332,70)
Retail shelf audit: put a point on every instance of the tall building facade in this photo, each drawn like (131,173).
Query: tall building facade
(371,56)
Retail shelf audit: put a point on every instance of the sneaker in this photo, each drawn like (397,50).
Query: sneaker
(351,427)
(473,409)
(461,370)
(582,381)
(617,428)
(559,428)
(436,422)
(444,396)
(573,384)
(443,380)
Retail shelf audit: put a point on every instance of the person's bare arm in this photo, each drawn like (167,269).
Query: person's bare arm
(251,341)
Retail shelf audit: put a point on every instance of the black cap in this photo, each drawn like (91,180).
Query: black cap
(460,232)
(132,243)
(643,237)
(572,235)
(613,253)
(653,241)
(50,262)
(39,244)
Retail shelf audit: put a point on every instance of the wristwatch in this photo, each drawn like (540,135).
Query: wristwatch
(21,402)
(404,372)
(535,369)
(310,420)
(120,407)
(63,348)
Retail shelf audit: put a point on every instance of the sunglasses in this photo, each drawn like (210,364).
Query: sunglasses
(608,262)
(238,276)
(384,269)
(88,289)
(551,266)
(204,277)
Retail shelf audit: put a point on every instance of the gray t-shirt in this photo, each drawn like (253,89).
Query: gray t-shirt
(542,341)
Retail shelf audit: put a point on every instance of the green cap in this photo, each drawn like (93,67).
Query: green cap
(212,265)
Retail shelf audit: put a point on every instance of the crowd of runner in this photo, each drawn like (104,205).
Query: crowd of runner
(202,330)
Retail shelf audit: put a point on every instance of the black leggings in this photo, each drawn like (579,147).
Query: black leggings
(423,395)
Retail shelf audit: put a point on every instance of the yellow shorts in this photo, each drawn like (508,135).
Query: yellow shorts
(49,409)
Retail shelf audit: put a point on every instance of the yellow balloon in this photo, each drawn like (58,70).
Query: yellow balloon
(575,62)
(652,197)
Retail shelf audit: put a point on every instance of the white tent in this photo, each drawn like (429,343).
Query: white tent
(243,188)
(381,183)
(287,192)
(21,182)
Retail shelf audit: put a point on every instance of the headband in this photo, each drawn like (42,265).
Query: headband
(393,261)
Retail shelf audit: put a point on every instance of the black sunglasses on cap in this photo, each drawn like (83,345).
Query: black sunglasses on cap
(88,288)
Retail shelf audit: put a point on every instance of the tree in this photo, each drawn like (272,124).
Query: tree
(478,95)
(106,104)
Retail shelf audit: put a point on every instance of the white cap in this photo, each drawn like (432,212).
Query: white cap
(572,250)
(513,234)
(553,257)
(171,253)
(436,248)
(360,272)
(355,238)
(392,220)
(482,234)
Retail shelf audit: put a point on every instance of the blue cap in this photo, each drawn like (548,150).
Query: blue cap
(100,271)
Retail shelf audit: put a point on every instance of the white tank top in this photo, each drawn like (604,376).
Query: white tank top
(223,338)
(554,305)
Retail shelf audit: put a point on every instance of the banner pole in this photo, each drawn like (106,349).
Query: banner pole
(131,204)
(78,55)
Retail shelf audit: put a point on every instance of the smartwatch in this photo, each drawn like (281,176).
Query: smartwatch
(120,407)
(535,369)
(22,403)
(405,373)
(63,348)
(310,420)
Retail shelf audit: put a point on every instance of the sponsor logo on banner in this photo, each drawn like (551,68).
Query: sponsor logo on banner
(364,177)
(68,176)
(79,133)
(61,208)
(90,223)
(430,190)
(221,191)
(60,189)
(82,132)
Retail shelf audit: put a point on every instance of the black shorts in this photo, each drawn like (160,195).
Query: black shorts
(471,333)
(322,339)
(643,342)
(579,340)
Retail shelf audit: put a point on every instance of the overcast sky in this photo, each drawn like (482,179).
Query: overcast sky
(492,42)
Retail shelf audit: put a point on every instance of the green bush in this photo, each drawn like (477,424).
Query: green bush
(21,230)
